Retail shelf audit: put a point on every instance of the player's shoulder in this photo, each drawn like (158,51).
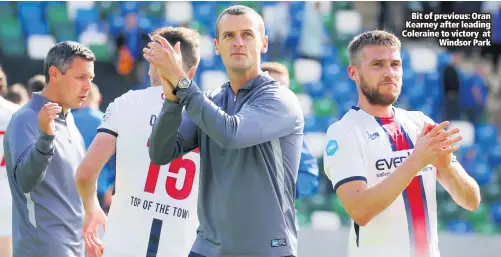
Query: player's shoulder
(343,126)
(8,108)
(132,97)
(25,118)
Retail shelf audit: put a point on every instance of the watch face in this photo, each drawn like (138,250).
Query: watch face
(184,83)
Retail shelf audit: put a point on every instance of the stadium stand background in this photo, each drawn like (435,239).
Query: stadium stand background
(310,39)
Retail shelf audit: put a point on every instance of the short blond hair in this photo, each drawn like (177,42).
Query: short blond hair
(373,37)
(275,67)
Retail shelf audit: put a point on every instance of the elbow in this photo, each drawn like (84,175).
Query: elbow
(82,177)
(25,188)
(24,185)
(155,158)
(362,216)
(473,204)
(361,219)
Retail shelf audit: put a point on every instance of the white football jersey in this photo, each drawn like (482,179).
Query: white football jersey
(6,110)
(154,209)
(363,147)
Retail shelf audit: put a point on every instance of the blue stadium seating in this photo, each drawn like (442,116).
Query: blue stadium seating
(421,91)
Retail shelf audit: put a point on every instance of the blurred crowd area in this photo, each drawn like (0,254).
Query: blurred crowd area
(458,84)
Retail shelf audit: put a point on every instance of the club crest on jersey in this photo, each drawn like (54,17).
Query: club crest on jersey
(107,114)
(372,136)
(331,147)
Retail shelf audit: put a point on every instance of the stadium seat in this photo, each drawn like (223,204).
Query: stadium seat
(345,106)
(325,122)
(36,28)
(39,46)
(323,107)
(64,32)
(306,103)
(307,70)
(486,135)
(325,220)
(315,142)
(482,173)
(459,226)
(92,36)
(102,52)
(337,207)
(116,23)
(129,7)
(179,12)
(496,212)
(295,87)
(479,215)
(492,191)
(495,155)
(311,124)
(348,22)
(467,131)
(448,209)
(207,50)
(30,11)
(332,72)
(145,24)
(344,90)
(212,79)
(73,6)
(154,10)
(344,56)
(15,47)
(106,8)
(444,57)
(315,89)
(6,11)
(204,12)
(84,18)
(57,14)
(10,30)
(423,60)
(485,227)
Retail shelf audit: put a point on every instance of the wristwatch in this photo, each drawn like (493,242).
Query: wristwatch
(182,84)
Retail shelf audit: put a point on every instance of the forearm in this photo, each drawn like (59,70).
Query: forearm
(163,144)
(249,127)
(87,189)
(463,189)
(370,202)
(32,165)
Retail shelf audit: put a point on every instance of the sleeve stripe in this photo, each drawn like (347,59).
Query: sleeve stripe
(346,180)
(111,132)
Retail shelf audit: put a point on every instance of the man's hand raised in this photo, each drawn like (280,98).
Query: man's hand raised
(433,144)
(46,117)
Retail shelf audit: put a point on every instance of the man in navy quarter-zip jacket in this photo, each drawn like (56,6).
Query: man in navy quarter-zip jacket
(43,148)
(250,135)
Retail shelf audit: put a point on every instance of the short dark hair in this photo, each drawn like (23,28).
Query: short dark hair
(190,43)
(373,37)
(239,10)
(61,56)
(35,84)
